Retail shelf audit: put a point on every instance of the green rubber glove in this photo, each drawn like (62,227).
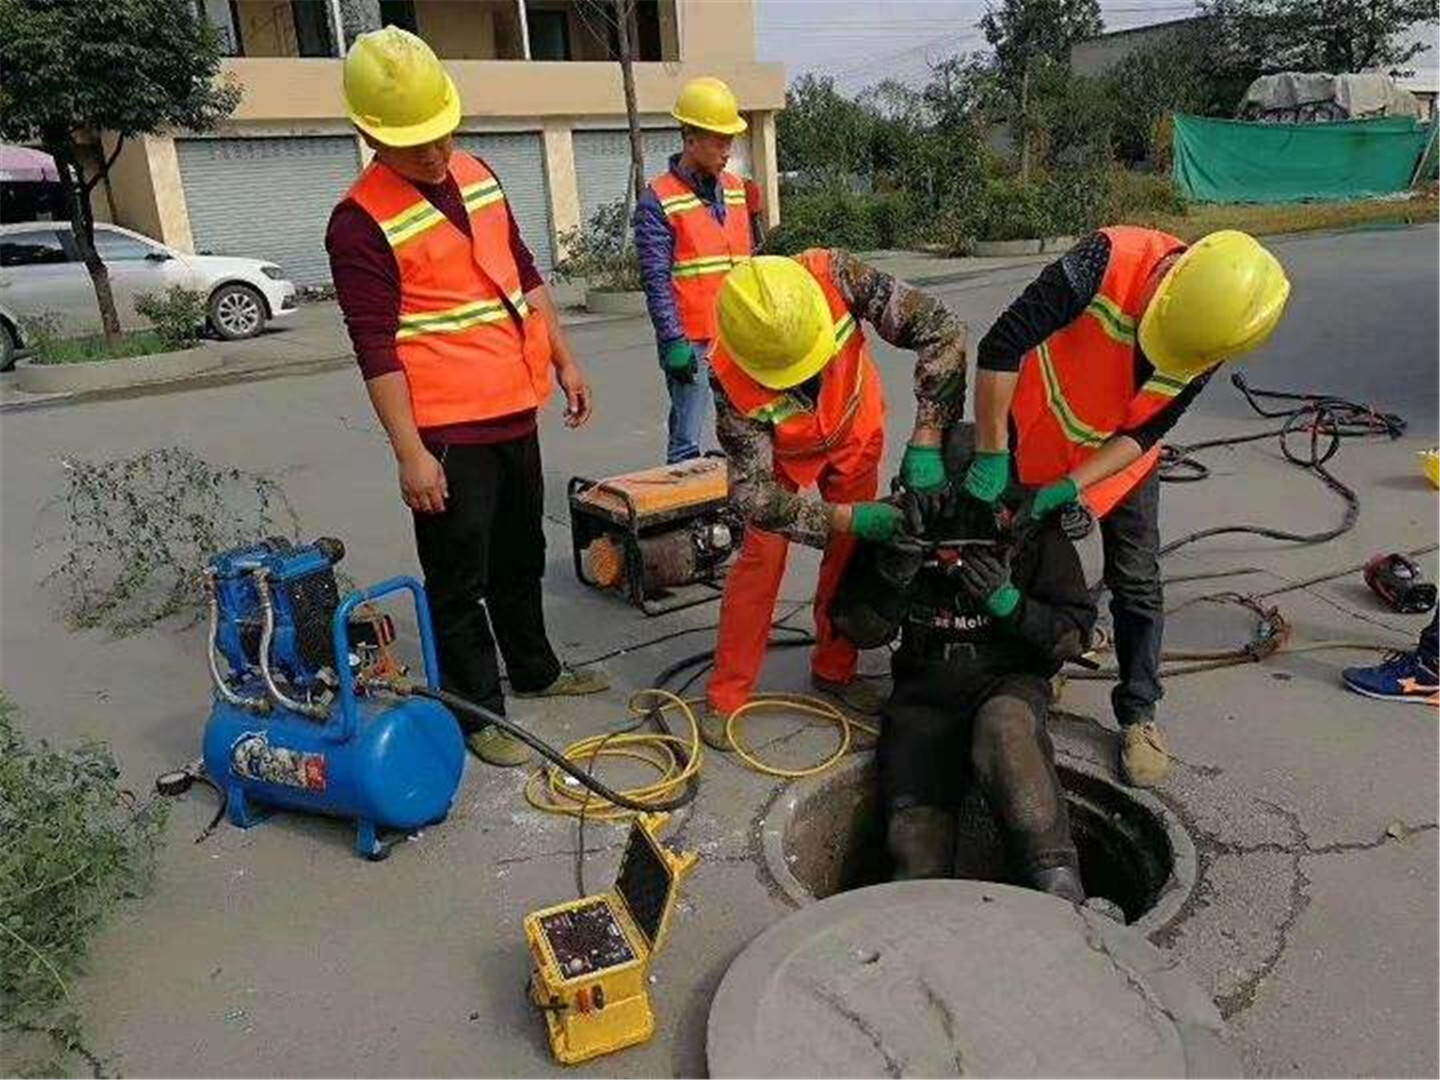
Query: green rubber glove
(1053,496)
(679,361)
(922,468)
(984,578)
(1003,601)
(988,475)
(877,522)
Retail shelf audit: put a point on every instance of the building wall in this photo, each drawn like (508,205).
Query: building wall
(146,191)
(278,90)
(267,27)
(458,31)
(286,96)
(1092,56)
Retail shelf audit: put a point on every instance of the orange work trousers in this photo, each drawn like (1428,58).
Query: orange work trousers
(753,583)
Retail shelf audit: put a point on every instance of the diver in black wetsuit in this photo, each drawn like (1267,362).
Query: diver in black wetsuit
(984,624)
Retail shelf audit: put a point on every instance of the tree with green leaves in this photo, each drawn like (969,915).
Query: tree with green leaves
(1031,40)
(1261,37)
(76,68)
(822,134)
(1023,31)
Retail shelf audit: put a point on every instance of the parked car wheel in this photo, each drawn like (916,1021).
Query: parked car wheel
(237,311)
(8,347)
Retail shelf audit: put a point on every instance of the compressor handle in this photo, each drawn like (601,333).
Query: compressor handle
(340,635)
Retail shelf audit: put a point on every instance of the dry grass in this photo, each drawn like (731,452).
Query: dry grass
(1202,218)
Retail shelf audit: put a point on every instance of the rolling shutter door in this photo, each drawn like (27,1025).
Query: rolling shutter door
(519,162)
(602,163)
(267,198)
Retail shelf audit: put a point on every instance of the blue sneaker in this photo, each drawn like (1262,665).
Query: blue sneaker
(1401,676)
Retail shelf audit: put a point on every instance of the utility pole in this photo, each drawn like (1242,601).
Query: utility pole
(632,114)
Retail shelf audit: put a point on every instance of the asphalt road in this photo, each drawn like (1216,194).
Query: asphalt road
(275,951)
(1361,322)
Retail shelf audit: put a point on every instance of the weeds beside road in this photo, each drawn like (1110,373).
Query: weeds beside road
(1202,218)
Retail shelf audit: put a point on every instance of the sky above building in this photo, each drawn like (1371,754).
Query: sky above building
(860,43)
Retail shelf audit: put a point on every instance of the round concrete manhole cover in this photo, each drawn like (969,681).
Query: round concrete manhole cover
(959,978)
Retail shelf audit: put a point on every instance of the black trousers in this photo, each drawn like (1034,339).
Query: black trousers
(1130,535)
(944,728)
(483,559)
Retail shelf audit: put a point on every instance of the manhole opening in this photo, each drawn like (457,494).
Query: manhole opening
(831,839)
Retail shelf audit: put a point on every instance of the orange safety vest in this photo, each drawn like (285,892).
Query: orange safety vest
(471,346)
(1077,387)
(847,425)
(705,249)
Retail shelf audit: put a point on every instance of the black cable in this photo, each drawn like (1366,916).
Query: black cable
(1323,421)
(705,659)
(545,750)
(171,785)
(580,890)
(650,643)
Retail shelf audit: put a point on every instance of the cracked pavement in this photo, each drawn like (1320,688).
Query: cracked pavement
(276,951)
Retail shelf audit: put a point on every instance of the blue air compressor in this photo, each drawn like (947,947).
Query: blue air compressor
(302,720)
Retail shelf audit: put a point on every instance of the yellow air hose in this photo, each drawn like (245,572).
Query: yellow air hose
(676,761)
(807,706)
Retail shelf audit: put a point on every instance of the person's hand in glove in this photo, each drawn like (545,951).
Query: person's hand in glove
(988,475)
(680,362)
(878,522)
(1046,501)
(922,472)
(984,578)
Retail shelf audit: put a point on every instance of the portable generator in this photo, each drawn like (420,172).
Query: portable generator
(661,537)
(590,958)
(300,720)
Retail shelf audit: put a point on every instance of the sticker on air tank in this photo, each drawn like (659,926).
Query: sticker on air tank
(252,757)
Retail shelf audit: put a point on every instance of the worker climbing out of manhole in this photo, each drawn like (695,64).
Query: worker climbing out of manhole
(986,617)
(799,403)
(459,343)
(1081,378)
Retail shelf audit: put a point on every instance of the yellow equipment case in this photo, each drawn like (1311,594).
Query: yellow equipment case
(590,958)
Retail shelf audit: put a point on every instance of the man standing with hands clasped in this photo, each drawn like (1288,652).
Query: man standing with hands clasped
(457,338)
(692,225)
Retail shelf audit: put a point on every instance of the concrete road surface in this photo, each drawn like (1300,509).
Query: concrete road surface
(276,951)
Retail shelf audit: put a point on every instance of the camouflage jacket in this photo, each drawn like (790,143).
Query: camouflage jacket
(902,315)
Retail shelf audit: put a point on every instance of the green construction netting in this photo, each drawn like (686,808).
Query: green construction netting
(1236,161)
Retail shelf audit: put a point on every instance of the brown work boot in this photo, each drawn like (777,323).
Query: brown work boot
(712,723)
(864,696)
(496,747)
(1144,761)
(571,682)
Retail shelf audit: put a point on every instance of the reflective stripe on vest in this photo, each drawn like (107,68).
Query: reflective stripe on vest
(461,317)
(705,249)
(1077,388)
(849,414)
(471,346)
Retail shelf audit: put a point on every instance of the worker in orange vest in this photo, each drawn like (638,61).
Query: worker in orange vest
(457,337)
(1078,382)
(799,404)
(692,224)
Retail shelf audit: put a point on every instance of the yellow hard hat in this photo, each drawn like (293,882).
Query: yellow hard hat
(707,103)
(397,91)
(774,320)
(1221,298)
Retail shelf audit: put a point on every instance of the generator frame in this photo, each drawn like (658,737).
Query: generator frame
(630,528)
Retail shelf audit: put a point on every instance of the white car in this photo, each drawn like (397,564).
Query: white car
(41,275)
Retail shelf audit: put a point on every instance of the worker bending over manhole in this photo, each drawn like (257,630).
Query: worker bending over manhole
(986,617)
